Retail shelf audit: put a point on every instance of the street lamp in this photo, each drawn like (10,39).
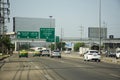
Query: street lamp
(99,25)
(54,36)
(50,21)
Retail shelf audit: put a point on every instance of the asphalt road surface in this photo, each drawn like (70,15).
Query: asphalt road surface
(46,68)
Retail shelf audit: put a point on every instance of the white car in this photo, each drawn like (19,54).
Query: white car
(56,54)
(92,55)
(117,54)
(45,53)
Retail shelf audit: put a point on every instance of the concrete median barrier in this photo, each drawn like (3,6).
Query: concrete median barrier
(3,57)
(104,59)
(110,60)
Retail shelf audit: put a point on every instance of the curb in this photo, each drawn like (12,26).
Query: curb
(3,57)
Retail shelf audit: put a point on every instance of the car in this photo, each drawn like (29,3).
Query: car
(92,55)
(110,54)
(37,53)
(23,53)
(45,53)
(117,54)
(55,53)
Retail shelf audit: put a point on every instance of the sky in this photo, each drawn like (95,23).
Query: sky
(70,15)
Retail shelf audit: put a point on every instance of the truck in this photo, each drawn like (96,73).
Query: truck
(82,50)
(117,53)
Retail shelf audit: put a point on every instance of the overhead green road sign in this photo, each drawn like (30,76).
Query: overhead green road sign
(50,40)
(22,34)
(57,39)
(48,34)
(34,35)
(27,35)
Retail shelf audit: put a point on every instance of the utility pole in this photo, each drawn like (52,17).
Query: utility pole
(61,38)
(50,27)
(4,18)
(81,32)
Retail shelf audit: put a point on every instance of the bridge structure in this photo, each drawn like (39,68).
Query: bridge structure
(107,43)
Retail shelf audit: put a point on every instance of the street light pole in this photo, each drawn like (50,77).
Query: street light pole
(61,38)
(99,25)
(54,36)
(50,27)
(50,21)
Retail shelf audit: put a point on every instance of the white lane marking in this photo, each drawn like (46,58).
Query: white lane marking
(48,77)
(114,75)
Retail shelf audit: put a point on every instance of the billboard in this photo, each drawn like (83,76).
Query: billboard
(32,24)
(94,32)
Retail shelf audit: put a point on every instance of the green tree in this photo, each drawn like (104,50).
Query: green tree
(6,45)
(77,45)
(58,46)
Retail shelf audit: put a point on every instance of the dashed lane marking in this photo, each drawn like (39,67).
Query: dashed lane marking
(114,75)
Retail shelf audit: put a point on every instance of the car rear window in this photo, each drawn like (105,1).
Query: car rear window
(93,51)
(56,51)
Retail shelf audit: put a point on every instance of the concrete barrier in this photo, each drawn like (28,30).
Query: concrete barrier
(104,59)
(3,57)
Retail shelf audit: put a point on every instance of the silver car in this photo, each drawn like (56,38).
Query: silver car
(45,53)
(55,53)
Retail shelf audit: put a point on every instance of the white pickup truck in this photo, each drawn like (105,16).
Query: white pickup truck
(117,53)
(82,50)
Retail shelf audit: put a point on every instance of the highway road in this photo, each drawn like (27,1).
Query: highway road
(46,68)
